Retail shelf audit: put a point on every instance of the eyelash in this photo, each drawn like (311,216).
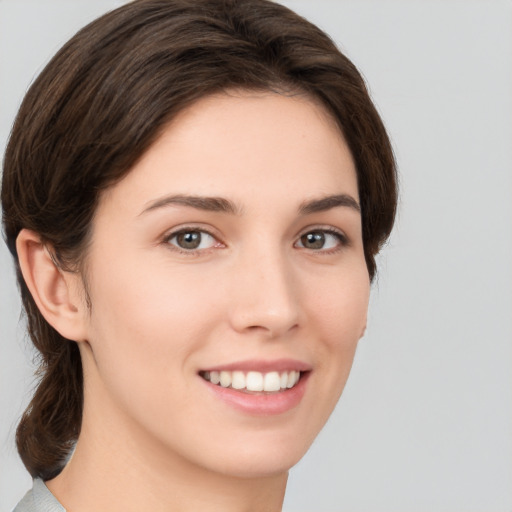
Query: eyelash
(339,235)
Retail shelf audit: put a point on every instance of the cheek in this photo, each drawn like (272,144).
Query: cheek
(144,331)
(142,297)
(149,322)
(341,308)
(340,315)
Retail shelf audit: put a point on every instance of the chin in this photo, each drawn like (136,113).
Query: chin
(259,467)
(262,458)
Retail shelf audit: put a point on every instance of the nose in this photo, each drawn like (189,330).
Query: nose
(264,296)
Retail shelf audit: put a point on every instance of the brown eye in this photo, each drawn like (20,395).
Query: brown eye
(313,240)
(321,239)
(191,240)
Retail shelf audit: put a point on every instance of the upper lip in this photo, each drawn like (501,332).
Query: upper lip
(262,365)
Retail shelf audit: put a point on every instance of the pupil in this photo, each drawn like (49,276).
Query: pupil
(189,240)
(315,240)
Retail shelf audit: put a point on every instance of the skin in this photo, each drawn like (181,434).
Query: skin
(154,437)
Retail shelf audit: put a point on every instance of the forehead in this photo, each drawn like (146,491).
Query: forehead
(238,142)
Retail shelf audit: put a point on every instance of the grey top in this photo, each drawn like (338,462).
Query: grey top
(39,499)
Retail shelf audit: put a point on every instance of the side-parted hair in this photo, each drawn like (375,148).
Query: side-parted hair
(102,101)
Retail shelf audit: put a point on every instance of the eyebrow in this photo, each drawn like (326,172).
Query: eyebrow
(210,204)
(327,203)
(222,205)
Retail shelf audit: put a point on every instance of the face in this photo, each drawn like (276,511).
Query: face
(228,286)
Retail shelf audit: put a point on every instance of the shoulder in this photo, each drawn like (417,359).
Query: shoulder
(39,499)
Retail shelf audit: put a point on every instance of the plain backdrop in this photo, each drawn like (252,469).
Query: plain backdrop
(425,423)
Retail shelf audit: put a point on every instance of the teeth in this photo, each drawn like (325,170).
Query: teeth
(272,382)
(292,379)
(238,380)
(254,381)
(225,379)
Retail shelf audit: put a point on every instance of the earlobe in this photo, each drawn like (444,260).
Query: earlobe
(53,289)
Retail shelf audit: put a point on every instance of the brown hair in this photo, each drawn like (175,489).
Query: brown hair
(104,99)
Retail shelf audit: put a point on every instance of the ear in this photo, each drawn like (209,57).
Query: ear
(58,294)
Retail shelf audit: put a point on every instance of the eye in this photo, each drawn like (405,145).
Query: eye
(321,239)
(192,240)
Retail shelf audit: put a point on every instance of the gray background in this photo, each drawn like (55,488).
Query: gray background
(425,423)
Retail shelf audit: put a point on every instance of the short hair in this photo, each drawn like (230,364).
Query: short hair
(102,101)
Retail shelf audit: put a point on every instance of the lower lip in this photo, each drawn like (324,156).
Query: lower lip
(262,404)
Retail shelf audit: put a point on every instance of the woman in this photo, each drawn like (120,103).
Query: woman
(194,193)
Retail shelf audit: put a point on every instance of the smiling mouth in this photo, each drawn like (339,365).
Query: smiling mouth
(253,382)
